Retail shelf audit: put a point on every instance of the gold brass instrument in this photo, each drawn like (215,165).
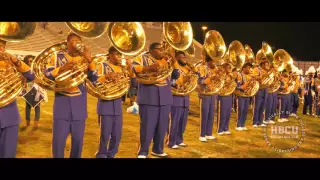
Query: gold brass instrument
(275,85)
(11,80)
(288,90)
(229,85)
(88,29)
(280,60)
(187,87)
(109,89)
(214,47)
(177,35)
(250,57)
(292,78)
(66,80)
(236,57)
(16,31)
(190,51)
(265,53)
(237,54)
(245,55)
(72,77)
(129,39)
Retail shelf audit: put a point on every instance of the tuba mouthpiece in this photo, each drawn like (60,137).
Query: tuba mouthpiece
(80,47)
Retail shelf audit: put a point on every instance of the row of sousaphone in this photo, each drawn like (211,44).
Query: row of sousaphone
(129,38)
(237,55)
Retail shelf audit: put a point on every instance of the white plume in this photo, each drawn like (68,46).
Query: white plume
(311,69)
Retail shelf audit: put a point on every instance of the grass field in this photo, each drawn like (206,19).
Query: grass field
(248,144)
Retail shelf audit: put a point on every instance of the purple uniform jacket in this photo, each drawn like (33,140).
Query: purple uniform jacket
(9,115)
(66,107)
(155,95)
(106,107)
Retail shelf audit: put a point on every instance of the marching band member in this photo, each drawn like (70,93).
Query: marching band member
(225,104)
(260,99)
(36,96)
(316,97)
(70,107)
(243,102)
(154,101)
(284,98)
(295,95)
(109,111)
(180,107)
(308,89)
(207,72)
(234,97)
(132,94)
(271,106)
(9,114)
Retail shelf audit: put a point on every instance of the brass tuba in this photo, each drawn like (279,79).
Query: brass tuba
(177,35)
(250,57)
(280,60)
(129,39)
(11,80)
(265,53)
(286,63)
(88,29)
(72,77)
(236,57)
(109,90)
(214,47)
(187,87)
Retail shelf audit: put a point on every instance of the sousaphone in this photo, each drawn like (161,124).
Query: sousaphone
(72,77)
(11,80)
(214,47)
(129,39)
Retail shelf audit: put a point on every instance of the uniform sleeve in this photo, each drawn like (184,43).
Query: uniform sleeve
(100,74)
(25,70)
(92,73)
(137,65)
(174,77)
(52,71)
(203,79)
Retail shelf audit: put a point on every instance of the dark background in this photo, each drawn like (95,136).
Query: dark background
(299,39)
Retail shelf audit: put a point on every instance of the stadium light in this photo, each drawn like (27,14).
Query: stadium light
(204,28)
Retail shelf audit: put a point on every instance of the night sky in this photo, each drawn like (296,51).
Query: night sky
(300,39)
